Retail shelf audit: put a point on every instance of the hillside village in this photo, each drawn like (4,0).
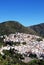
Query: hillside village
(28,44)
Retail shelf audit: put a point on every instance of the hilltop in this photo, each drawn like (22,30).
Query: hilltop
(9,27)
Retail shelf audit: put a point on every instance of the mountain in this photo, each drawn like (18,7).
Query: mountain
(8,27)
(38,29)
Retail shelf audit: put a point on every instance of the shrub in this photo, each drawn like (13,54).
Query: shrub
(16,43)
(33,55)
(39,39)
(24,43)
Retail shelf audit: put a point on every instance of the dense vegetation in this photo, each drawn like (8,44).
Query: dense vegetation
(36,62)
(12,58)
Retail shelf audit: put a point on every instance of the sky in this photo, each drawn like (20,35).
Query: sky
(27,12)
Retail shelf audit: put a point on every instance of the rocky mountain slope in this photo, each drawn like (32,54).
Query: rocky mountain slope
(9,27)
(38,29)
(12,27)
